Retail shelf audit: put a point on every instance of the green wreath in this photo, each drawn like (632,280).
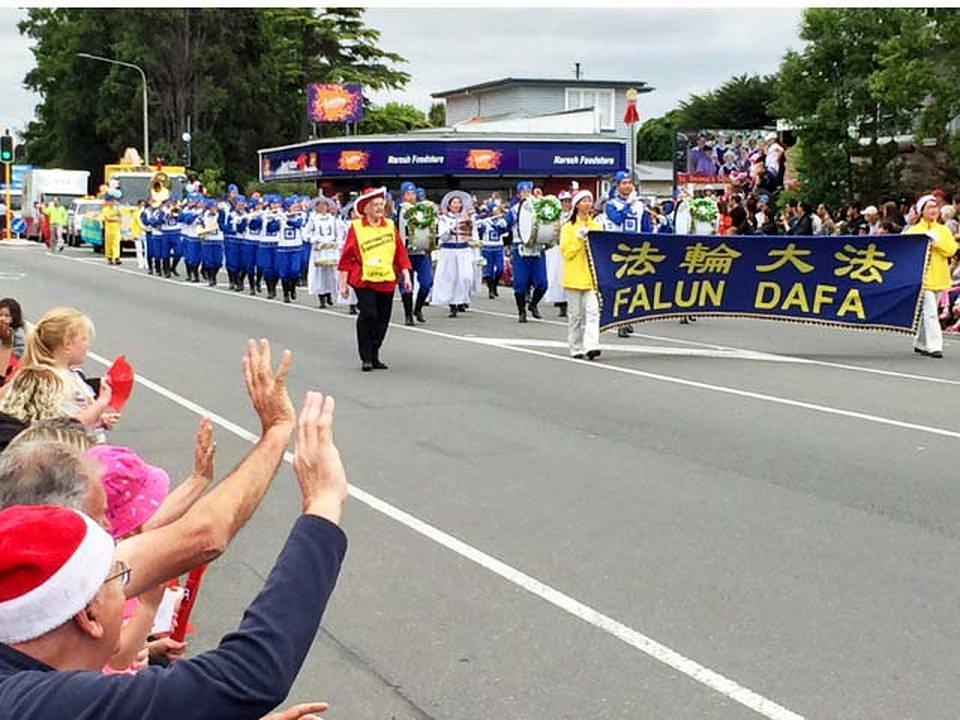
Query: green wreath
(547,210)
(703,210)
(421,216)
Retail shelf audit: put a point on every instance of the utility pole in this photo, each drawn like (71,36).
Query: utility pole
(6,157)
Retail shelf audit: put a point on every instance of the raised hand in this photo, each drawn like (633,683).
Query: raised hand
(268,390)
(316,460)
(204,449)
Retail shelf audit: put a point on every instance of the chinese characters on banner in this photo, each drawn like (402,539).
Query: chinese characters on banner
(866,281)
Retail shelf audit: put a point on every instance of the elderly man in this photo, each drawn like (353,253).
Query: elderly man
(37,475)
(62,597)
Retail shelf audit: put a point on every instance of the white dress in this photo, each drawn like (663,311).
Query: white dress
(322,231)
(555,292)
(453,282)
(342,227)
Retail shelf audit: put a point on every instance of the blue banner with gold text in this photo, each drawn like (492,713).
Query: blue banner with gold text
(868,282)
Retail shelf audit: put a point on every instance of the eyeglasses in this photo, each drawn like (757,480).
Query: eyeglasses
(121,571)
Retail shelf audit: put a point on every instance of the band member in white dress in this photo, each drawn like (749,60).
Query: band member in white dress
(555,292)
(323,229)
(344,216)
(454,279)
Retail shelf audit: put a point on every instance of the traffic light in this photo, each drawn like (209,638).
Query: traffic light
(6,149)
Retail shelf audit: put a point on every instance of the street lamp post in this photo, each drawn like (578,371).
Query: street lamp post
(143,76)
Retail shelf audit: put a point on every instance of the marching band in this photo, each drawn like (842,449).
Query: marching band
(455,248)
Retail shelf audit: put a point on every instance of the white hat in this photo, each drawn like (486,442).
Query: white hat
(770,136)
(466,201)
(923,201)
(53,561)
(564,195)
(581,194)
(870,210)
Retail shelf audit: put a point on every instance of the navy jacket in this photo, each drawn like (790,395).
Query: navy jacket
(246,677)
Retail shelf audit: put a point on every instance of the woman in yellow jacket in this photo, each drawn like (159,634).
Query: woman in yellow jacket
(936,276)
(583,306)
(110,217)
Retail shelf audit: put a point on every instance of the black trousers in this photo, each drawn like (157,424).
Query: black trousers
(373,319)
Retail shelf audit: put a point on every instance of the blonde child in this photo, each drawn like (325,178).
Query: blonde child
(61,340)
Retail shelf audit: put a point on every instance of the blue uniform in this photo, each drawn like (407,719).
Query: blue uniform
(189,218)
(491,237)
(169,239)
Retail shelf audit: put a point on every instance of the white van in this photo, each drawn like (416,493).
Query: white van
(41,186)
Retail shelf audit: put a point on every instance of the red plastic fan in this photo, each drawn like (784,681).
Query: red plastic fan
(120,376)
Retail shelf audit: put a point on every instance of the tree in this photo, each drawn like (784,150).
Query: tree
(917,67)
(741,103)
(825,92)
(238,74)
(437,115)
(392,118)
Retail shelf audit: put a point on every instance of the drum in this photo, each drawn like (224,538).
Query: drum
(538,223)
(418,227)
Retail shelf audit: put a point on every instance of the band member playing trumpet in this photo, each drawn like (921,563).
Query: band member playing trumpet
(455,268)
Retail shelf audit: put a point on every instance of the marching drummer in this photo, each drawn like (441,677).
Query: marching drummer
(529,265)
(455,268)
(418,230)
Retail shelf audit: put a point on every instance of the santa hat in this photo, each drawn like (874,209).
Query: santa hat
(53,561)
(581,194)
(134,489)
(366,196)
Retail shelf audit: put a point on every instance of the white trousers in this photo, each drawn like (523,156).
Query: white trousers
(929,336)
(583,321)
(140,243)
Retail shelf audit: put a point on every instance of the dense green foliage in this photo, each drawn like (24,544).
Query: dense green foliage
(239,74)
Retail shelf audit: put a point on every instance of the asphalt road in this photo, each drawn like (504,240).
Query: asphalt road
(730,519)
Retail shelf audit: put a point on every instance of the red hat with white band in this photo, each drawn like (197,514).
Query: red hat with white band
(53,561)
(367,195)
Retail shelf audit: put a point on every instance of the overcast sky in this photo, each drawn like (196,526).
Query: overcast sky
(679,52)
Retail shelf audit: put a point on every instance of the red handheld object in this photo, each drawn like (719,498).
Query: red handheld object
(120,375)
(186,607)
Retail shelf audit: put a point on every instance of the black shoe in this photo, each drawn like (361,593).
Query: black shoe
(377,365)
(622,333)
(935,354)
(418,314)
(523,316)
(491,295)
(918,351)
(535,311)
(453,311)
(579,356)
(353,309)
(367,366)
(462,308)
(286,297)
(593,354)
(408,320)
(293,292)
(563,312)
(629,329)
(321,302)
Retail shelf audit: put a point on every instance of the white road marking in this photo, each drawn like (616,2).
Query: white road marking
(646,349)
(602,366)
(792,358)
(647,645)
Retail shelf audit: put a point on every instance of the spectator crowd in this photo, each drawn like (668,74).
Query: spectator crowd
(94,539)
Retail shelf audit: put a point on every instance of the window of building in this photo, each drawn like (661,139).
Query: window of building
(600,99)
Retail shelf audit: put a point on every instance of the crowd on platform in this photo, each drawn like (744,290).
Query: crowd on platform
(93,541)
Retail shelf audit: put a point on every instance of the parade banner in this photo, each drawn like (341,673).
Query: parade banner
(867,282)
(333,102)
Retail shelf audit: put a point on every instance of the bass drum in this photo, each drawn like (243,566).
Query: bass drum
(533,233)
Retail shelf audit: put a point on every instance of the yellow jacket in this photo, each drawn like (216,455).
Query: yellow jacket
(573,247)
(936,277)
(110,217)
